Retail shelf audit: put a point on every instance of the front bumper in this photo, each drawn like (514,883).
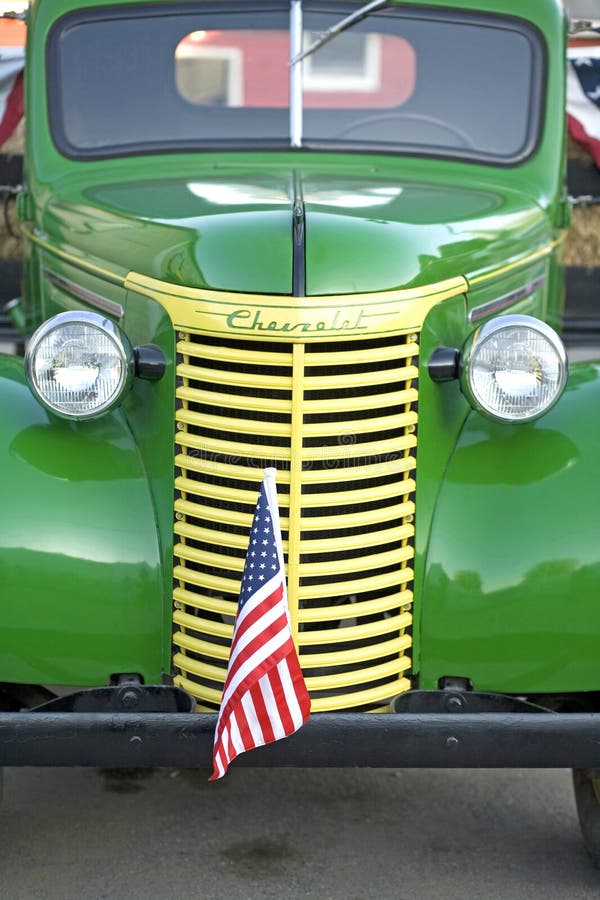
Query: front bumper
(397,740)
(135,725)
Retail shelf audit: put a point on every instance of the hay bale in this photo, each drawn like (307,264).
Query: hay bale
(11,246)
(15,145)
(577,151)
(583,240)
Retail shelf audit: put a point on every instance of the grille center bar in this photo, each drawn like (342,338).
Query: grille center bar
(294,529)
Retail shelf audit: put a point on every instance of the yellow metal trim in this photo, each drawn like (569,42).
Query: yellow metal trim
(359,585)
(209,695)
(363,379)
(313,682)
(215,491)
(202,669)
(78,261)
(361,357)
(327,454)
(197,594)
(235,448)
(295,319)
(396,645)
(356,563)
(197,645)
(206,626)
(226,516)
(222,423)
(222,538)
(362,517)
(359,676)
(146,284)
(237,379)
(361,698)
(192,554)
(354,632)
(355,610)
(360,426)
(295,498)
(522,260)
(356,403)
(344,498)
(204,581)
(322,454)
(360,541)
(209,351)
(357,471)
(228,470)
(228,401)
(204,602)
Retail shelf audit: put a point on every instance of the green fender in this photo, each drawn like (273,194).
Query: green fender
(81,590)
(512,576)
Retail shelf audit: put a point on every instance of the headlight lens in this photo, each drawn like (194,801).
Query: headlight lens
(79,364)
(514,368)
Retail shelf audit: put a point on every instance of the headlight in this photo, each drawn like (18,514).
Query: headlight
(79,364)
(514,368)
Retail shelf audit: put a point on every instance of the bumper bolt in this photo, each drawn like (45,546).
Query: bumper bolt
(130,699)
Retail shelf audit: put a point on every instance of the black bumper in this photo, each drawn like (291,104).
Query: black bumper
(397,740)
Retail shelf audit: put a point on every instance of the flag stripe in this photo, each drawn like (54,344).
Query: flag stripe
(268,697)
(583,92)
(236,738)
(262,712)
(251,677)
(294,716)
(249,663)
(252,720)
(261,619)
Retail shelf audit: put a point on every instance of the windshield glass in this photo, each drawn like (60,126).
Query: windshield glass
(135,79)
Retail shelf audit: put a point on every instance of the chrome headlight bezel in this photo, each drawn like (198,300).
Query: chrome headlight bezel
(108,329)
(487,332)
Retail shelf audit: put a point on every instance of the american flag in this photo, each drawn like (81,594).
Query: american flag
(583,97)
(264,697)
(11,89)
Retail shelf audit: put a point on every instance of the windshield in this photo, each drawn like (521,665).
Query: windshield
(161,77)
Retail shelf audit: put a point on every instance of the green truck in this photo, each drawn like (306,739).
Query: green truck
(322,237)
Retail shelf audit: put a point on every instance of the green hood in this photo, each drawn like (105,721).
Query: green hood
(231,230)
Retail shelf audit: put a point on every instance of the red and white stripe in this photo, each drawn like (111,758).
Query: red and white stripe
(583,115)
(11,90)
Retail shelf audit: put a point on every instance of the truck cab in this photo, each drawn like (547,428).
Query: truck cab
(324,238)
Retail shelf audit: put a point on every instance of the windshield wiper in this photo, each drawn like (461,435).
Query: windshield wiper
(298,54)
(340,27)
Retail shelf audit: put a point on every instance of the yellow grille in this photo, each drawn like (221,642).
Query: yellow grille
(338,421)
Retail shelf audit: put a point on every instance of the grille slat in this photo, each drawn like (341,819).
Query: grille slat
(341,657)
(236,379)
(225,470)
(343,440)
(389,580)
(204,395)
(368,424)
(368,402)
(343,498)
(355,610)
(207,445)
(220,423)
(377,378)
